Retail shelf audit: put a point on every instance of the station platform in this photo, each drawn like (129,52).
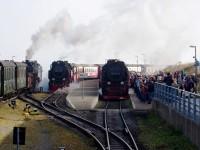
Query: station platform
(83,95)
(137,104)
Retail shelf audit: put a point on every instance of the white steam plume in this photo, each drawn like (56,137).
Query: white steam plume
(162,30)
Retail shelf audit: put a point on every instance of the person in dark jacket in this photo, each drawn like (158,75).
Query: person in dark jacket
(189,84)
(150,89)
(168,79)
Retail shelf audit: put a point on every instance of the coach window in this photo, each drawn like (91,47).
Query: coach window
(5,74)
(0,80)
(18,72)
(21,72)
(11,73)
(24,72)
(6,70)
(8,74)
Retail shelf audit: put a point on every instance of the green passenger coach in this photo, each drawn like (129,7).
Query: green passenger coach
(8,85)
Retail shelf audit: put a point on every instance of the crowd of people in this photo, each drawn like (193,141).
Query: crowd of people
(144,85)
(179,80)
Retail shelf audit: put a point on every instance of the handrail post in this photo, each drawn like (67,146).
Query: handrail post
(184,103)
(188,103)
(180,100)
(194,108)
(176,98)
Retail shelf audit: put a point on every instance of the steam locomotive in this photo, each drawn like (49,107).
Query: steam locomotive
(114,80)
(60,75)
(17,76)
(33,74)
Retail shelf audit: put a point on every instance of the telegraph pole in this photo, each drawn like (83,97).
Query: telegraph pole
(195,59)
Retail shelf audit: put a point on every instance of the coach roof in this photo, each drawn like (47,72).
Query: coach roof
(7,63)
(20,64)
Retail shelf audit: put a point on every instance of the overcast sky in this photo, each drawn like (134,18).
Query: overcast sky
(91,31)
(20,19)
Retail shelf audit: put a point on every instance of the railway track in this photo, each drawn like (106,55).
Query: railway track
(54,106)
(50,109)
(115,122)
(122,131)
(92,127)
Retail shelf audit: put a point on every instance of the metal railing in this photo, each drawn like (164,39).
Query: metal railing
(186,103)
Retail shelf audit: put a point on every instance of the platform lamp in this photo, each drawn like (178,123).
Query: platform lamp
(137,63)
(13,58)
(195,58)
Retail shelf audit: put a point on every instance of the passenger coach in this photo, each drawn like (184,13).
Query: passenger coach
(17,76)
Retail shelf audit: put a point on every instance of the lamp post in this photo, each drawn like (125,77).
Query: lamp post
(195,58)
(143,57)
(13,58)
(137,63)
(144,67)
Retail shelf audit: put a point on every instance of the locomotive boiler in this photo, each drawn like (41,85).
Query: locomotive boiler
(59,75)
(114,80)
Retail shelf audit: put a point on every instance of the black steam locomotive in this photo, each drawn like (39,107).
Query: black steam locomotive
(115,80)
(33,74)
(17,76)
(59,75)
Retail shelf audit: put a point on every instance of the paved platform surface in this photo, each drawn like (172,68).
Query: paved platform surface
(83,95)
(137,104)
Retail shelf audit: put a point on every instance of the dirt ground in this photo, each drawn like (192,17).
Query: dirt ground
(41,131)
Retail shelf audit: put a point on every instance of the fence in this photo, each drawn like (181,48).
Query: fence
(185,103)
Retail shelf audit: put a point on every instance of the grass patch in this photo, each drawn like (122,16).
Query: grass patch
(40,96)
(114,104)
(156,134)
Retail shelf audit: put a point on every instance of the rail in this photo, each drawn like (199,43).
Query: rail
(50,109)
(127,128)
(97,132)
(184,102)
(106,127)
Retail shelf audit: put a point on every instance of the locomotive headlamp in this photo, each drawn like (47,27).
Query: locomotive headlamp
(109,83)
(64,79)
(53,79)
(122,83)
